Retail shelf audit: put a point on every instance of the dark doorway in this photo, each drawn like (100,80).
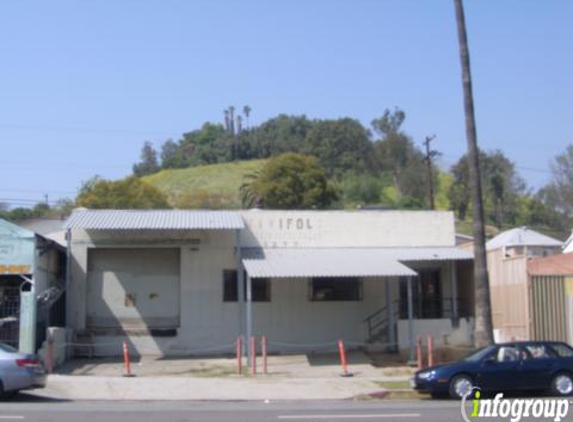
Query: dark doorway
(426,295)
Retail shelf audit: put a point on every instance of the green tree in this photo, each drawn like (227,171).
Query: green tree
(279,135)
(209,145)
(396,154)
(148,163)
(559,192)
(362,189)
(170,156)
(289,181)
(340,145)
(128,193)
(247,112)
(501,185)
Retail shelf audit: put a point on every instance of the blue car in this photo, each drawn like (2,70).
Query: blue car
(534,365)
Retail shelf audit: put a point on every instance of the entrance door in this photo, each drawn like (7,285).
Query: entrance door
(430,294)
(426,295)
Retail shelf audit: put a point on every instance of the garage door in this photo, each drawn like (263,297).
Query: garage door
(133,288)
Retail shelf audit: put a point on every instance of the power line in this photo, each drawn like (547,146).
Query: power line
(80,129)
(450,162)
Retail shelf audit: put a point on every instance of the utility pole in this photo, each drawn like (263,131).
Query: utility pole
(430,153)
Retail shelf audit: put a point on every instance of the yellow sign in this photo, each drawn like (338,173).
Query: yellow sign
(569,286)
(15,269)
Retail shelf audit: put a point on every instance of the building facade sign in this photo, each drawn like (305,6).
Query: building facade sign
(16,249)
(308,229)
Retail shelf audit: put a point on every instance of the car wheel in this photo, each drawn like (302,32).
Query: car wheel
(562,384)
(460,385)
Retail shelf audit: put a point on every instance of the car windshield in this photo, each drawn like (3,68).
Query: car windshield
(478,354)
(6,348)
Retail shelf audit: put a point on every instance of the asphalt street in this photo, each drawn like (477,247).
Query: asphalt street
(27,408)
(31,408)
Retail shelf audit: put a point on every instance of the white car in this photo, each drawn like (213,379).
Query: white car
(19,371)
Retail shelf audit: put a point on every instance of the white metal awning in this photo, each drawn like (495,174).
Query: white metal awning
(154,220)
(335,262)
(343,262)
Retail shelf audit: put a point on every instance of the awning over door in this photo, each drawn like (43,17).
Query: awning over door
(324,262)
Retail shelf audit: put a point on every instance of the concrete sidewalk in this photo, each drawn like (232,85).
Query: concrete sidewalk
(290,377)
(187,388)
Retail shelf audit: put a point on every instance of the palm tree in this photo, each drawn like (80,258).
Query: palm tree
(247,113)
(232,119)
(483,319)
(227,126)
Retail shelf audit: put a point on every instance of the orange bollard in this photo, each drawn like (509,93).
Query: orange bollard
(264,353)
(239,356)
(50,355)
(419,353)
(430,351)
(253,356)
(126,361)
(343,362)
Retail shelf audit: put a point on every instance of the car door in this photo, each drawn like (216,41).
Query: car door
(500,370)
(538,367)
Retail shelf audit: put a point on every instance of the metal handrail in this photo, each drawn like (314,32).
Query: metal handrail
(446,308)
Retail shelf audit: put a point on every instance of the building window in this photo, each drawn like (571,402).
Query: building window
(261,287)
(332,289)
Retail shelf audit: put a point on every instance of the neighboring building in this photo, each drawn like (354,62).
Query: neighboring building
(551,297)
(568,245)
(26,258)
(174,282)
(507,259)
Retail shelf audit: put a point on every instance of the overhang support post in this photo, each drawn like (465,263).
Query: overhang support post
(391,332)
(454,272)
(240,288)
(69,299)
(249,319)
(410,320)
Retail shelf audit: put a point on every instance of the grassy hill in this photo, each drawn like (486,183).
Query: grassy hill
(216,186)
(210,186)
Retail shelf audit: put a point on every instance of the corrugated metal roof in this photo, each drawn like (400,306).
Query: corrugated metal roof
(153,220)
(335,262)
(521,236)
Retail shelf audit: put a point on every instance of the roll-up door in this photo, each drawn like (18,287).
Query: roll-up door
(133,288)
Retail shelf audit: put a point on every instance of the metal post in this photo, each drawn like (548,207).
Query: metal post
(249,315)
(392,328)
(410,319)
(28,308)
(391,337)
(69,300)
(240,287)
(454,271)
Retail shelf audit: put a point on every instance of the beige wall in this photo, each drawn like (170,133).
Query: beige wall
(509,296)
(278,229)
(208,324)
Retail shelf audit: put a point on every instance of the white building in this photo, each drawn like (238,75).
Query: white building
(168,280)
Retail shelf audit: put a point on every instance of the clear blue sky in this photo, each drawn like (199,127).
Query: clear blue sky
(83,84)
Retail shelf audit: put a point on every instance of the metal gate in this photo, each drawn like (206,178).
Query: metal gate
(10,310)
(548,308)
